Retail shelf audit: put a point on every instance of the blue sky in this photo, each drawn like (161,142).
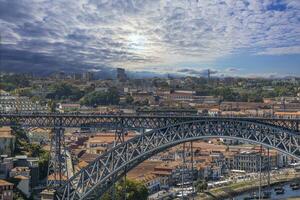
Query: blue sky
(229,37)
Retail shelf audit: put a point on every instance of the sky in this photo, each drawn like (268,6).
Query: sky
(188,37)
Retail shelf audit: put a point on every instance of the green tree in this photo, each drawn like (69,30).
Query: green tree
(34,150)
(201,185)
(51,106)
(227,93)
(44,157)
(111,97)
(62,91)
(11,82)
(134,191)
(129,99)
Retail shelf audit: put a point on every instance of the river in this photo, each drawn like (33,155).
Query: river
(289,193)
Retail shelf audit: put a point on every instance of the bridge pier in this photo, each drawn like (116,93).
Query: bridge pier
(120,133)
(57,168)
(192,168)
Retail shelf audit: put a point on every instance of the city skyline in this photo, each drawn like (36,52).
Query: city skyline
(231,38)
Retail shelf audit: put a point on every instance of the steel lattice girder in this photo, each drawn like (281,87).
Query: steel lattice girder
(109,167)
(125,121)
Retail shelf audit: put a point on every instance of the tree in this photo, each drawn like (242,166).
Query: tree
(134,191)
(129,99)
(61,91)
(201,185)
(51,106)
(44,157)
(34,150)
(111,97)
(227,93)
(11,82)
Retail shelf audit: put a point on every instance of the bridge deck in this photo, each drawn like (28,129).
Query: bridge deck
(48,120)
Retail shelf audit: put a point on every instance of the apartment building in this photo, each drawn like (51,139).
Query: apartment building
(6,190)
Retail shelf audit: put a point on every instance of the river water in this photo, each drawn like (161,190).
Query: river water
(289,193)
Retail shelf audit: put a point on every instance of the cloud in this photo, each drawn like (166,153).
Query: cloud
(92,34)
(232,70)
(193,72)
(281,50)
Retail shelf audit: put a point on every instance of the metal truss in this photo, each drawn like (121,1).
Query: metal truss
(125,121)
(101,174)
(57,168)
(120,132)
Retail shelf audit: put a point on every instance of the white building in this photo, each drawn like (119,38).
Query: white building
(7,141)
(10,103)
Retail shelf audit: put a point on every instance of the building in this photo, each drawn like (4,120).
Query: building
(144,173)
(121,75)
(23,175)
(60,75)
(24,185)
(69,107)
(164,172)
(39,135)
(294,114)
(101,89)
(100,143)
(57,179)
(88,76)
(143,98)
(6,190)
(216,173)
(181,95)
(19,103)
(248,161)
(7,141)
(76,76)
(6,164)
(20,171)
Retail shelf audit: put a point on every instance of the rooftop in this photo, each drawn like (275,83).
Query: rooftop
(144,168)
(56,176)
(108,138)
(6,132)
(5,183)
(21,177)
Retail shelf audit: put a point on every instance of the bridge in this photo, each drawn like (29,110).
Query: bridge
(167,131)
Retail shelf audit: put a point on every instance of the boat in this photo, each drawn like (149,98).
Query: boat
(296,187)
(251,197)
(279,190)
(293,184)
(266,195)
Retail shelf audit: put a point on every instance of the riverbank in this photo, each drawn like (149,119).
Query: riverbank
(246,186)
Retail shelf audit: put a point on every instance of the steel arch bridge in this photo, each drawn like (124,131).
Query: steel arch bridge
(93,180)
(58,120)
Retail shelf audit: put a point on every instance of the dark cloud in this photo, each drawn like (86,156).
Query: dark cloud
(232,69)
(193,72)
(26,61)
(94,34)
